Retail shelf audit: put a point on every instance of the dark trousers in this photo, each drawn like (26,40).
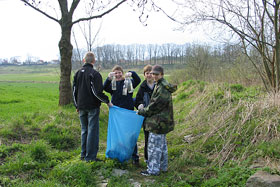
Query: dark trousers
(135,156)
(146,134)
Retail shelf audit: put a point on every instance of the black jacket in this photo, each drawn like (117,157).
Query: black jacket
(143,95)
(88,88)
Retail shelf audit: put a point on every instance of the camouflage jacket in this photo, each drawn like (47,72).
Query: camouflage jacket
(159,113)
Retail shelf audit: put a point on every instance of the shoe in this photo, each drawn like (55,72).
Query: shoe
(82,158)
(146,173)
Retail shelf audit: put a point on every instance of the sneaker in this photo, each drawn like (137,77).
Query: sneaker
(146,173)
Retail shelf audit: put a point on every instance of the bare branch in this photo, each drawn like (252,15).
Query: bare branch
(101,15)
(38,10)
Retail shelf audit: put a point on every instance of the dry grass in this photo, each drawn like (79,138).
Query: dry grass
(232,127)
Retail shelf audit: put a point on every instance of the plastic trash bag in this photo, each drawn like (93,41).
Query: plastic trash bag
(123,130)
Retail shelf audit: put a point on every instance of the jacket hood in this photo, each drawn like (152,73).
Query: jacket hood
(170,87)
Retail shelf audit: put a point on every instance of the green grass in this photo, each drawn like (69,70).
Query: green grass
(18,99)
(40,141)
(48,73)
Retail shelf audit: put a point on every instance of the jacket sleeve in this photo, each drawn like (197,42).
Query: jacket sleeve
(97,88)
(158,103)
(107,86)
(139,97)
(135,79)
(75,90)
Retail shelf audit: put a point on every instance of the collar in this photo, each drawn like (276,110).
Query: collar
(159,81)
(88,64)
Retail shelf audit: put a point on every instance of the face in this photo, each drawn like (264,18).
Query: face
(119,75)
(156,77)
(148,76)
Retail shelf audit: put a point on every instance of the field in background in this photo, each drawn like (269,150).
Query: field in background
(28,89)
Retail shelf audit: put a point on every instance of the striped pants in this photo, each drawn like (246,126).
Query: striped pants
(157,153)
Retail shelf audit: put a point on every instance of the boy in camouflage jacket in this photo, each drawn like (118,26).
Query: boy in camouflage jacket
(158,121)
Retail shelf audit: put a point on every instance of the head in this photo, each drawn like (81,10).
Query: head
(147,73)
(157,72)
(118,72)
(89,58)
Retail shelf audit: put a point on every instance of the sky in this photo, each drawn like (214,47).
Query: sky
(25,32)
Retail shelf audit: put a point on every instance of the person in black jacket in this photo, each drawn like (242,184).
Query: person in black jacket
(143,99)
(120,99)
(88,95)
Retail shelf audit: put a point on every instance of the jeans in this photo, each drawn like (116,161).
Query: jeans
(90,133)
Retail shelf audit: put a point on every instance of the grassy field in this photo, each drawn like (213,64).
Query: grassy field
(221,131)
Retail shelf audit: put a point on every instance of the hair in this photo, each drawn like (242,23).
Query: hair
(117,67)
(89,57)
(147,68)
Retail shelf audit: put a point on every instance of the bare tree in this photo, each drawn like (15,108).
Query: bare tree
(254,22)
(66,21)
(199,61)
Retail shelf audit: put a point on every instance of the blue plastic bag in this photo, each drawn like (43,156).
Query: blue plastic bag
(123,130)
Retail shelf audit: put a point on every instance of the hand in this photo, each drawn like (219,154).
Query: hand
(110,104)
(77,110)
(141,106)
(110,75)
(128,74)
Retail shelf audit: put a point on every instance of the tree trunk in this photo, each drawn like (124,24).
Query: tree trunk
(65,48)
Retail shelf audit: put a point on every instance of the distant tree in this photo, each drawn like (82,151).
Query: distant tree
(199,61)
(15,60)
(254,22)
(66,22)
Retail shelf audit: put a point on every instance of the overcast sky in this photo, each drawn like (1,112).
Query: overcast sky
(26,32)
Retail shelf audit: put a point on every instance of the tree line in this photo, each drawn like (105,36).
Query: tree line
(171,54)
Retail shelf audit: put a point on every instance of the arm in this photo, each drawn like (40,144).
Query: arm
(75,90)
(107,86)
(97,88)
(158,102)
(135,79)
(139,97)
